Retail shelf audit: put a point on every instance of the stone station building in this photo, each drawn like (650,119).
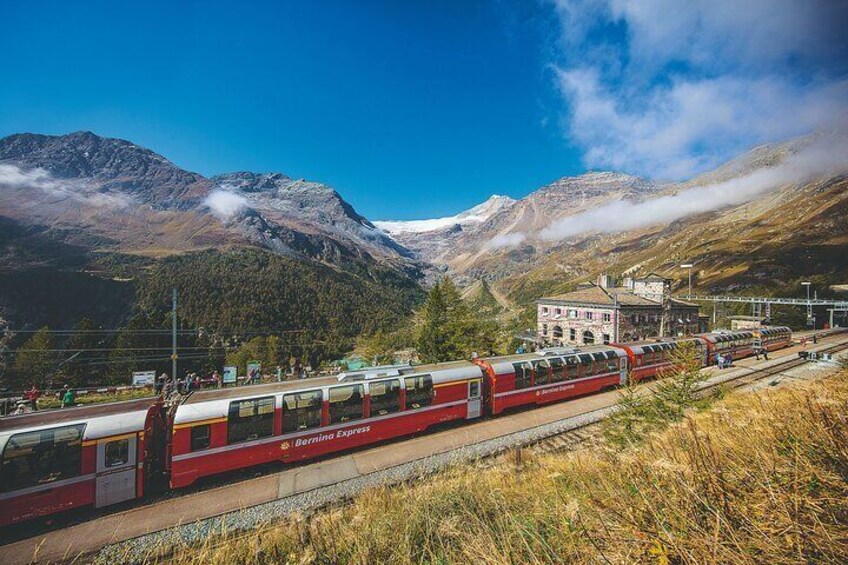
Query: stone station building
(602,313)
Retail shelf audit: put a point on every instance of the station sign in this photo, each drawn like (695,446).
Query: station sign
(143,378)
(230,374)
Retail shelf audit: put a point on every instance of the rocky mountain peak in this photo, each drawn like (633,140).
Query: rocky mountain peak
(247,181)
(113,165)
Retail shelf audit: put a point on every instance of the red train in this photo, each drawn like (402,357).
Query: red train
(104,454)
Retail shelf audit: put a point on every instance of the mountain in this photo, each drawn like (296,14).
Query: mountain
(432,239)
(291,216)
(471,217)
(133,200)
(99,225)
(762,222)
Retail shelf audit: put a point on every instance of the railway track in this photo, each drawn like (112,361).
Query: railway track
(578,436)
(548,429)
(583,434)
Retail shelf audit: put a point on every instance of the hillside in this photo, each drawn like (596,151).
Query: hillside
(764,221)
(103,228)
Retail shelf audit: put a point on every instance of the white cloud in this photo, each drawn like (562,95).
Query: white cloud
(668,89)
(506,240)
(826,156)
(80,191)
(224,203)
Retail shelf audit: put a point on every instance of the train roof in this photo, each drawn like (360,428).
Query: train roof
(211,404)
(504,362)
(320,382)
(58,416)
(547,353)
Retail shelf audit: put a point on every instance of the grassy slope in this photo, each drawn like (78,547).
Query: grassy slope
(756,479)
(765,246)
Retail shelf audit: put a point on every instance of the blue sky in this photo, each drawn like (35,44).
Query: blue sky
(422,109)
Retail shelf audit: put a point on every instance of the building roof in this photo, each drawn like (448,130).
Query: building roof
(596,295)
(652,277)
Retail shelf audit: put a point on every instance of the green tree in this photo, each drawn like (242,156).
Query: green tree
(83,364)
(36,361)
(449,329)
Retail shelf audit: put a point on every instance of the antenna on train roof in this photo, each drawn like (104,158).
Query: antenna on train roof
(375,372)
(557,350)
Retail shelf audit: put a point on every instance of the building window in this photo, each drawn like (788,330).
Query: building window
(607,316)
(572,334)
(606,338)
(544,329)
(544,310)
(558,311)
(572,313)
(588,337)
(588,315)
(558,332)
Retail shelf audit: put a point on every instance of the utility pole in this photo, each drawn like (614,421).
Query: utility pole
(809,305)
(689,266)
(174,341)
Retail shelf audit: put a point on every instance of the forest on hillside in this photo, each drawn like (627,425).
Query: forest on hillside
(314,312)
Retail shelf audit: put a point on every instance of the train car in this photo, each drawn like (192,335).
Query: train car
(772,338)
(551,375)
(649,358)
(88,456)
(222,430)
(742,344)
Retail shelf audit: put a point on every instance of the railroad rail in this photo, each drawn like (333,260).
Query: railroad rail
(572,438)
(315,485)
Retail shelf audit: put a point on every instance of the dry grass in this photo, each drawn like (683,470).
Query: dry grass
(759,478)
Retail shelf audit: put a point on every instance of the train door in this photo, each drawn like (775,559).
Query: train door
(116,470)
(622,373)
(475,395)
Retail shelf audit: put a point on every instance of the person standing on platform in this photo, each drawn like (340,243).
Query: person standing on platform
(32,395)
(68,397)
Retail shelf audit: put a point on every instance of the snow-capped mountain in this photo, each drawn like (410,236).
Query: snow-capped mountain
(476,215)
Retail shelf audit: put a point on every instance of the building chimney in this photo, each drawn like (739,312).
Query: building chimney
(605,281)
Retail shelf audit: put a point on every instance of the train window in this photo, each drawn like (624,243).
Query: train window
(612,364)
(385,397)
(557,370)
(522,375)
(250,419)
(117,452)
(302,410)
(572,367)
(347,403)
(419,391)
(35,458)
(540,369)
(200,437)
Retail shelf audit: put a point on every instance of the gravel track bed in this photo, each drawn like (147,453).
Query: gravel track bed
(269,512)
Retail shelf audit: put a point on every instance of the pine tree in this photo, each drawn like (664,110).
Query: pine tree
(36,362)
(82,365)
